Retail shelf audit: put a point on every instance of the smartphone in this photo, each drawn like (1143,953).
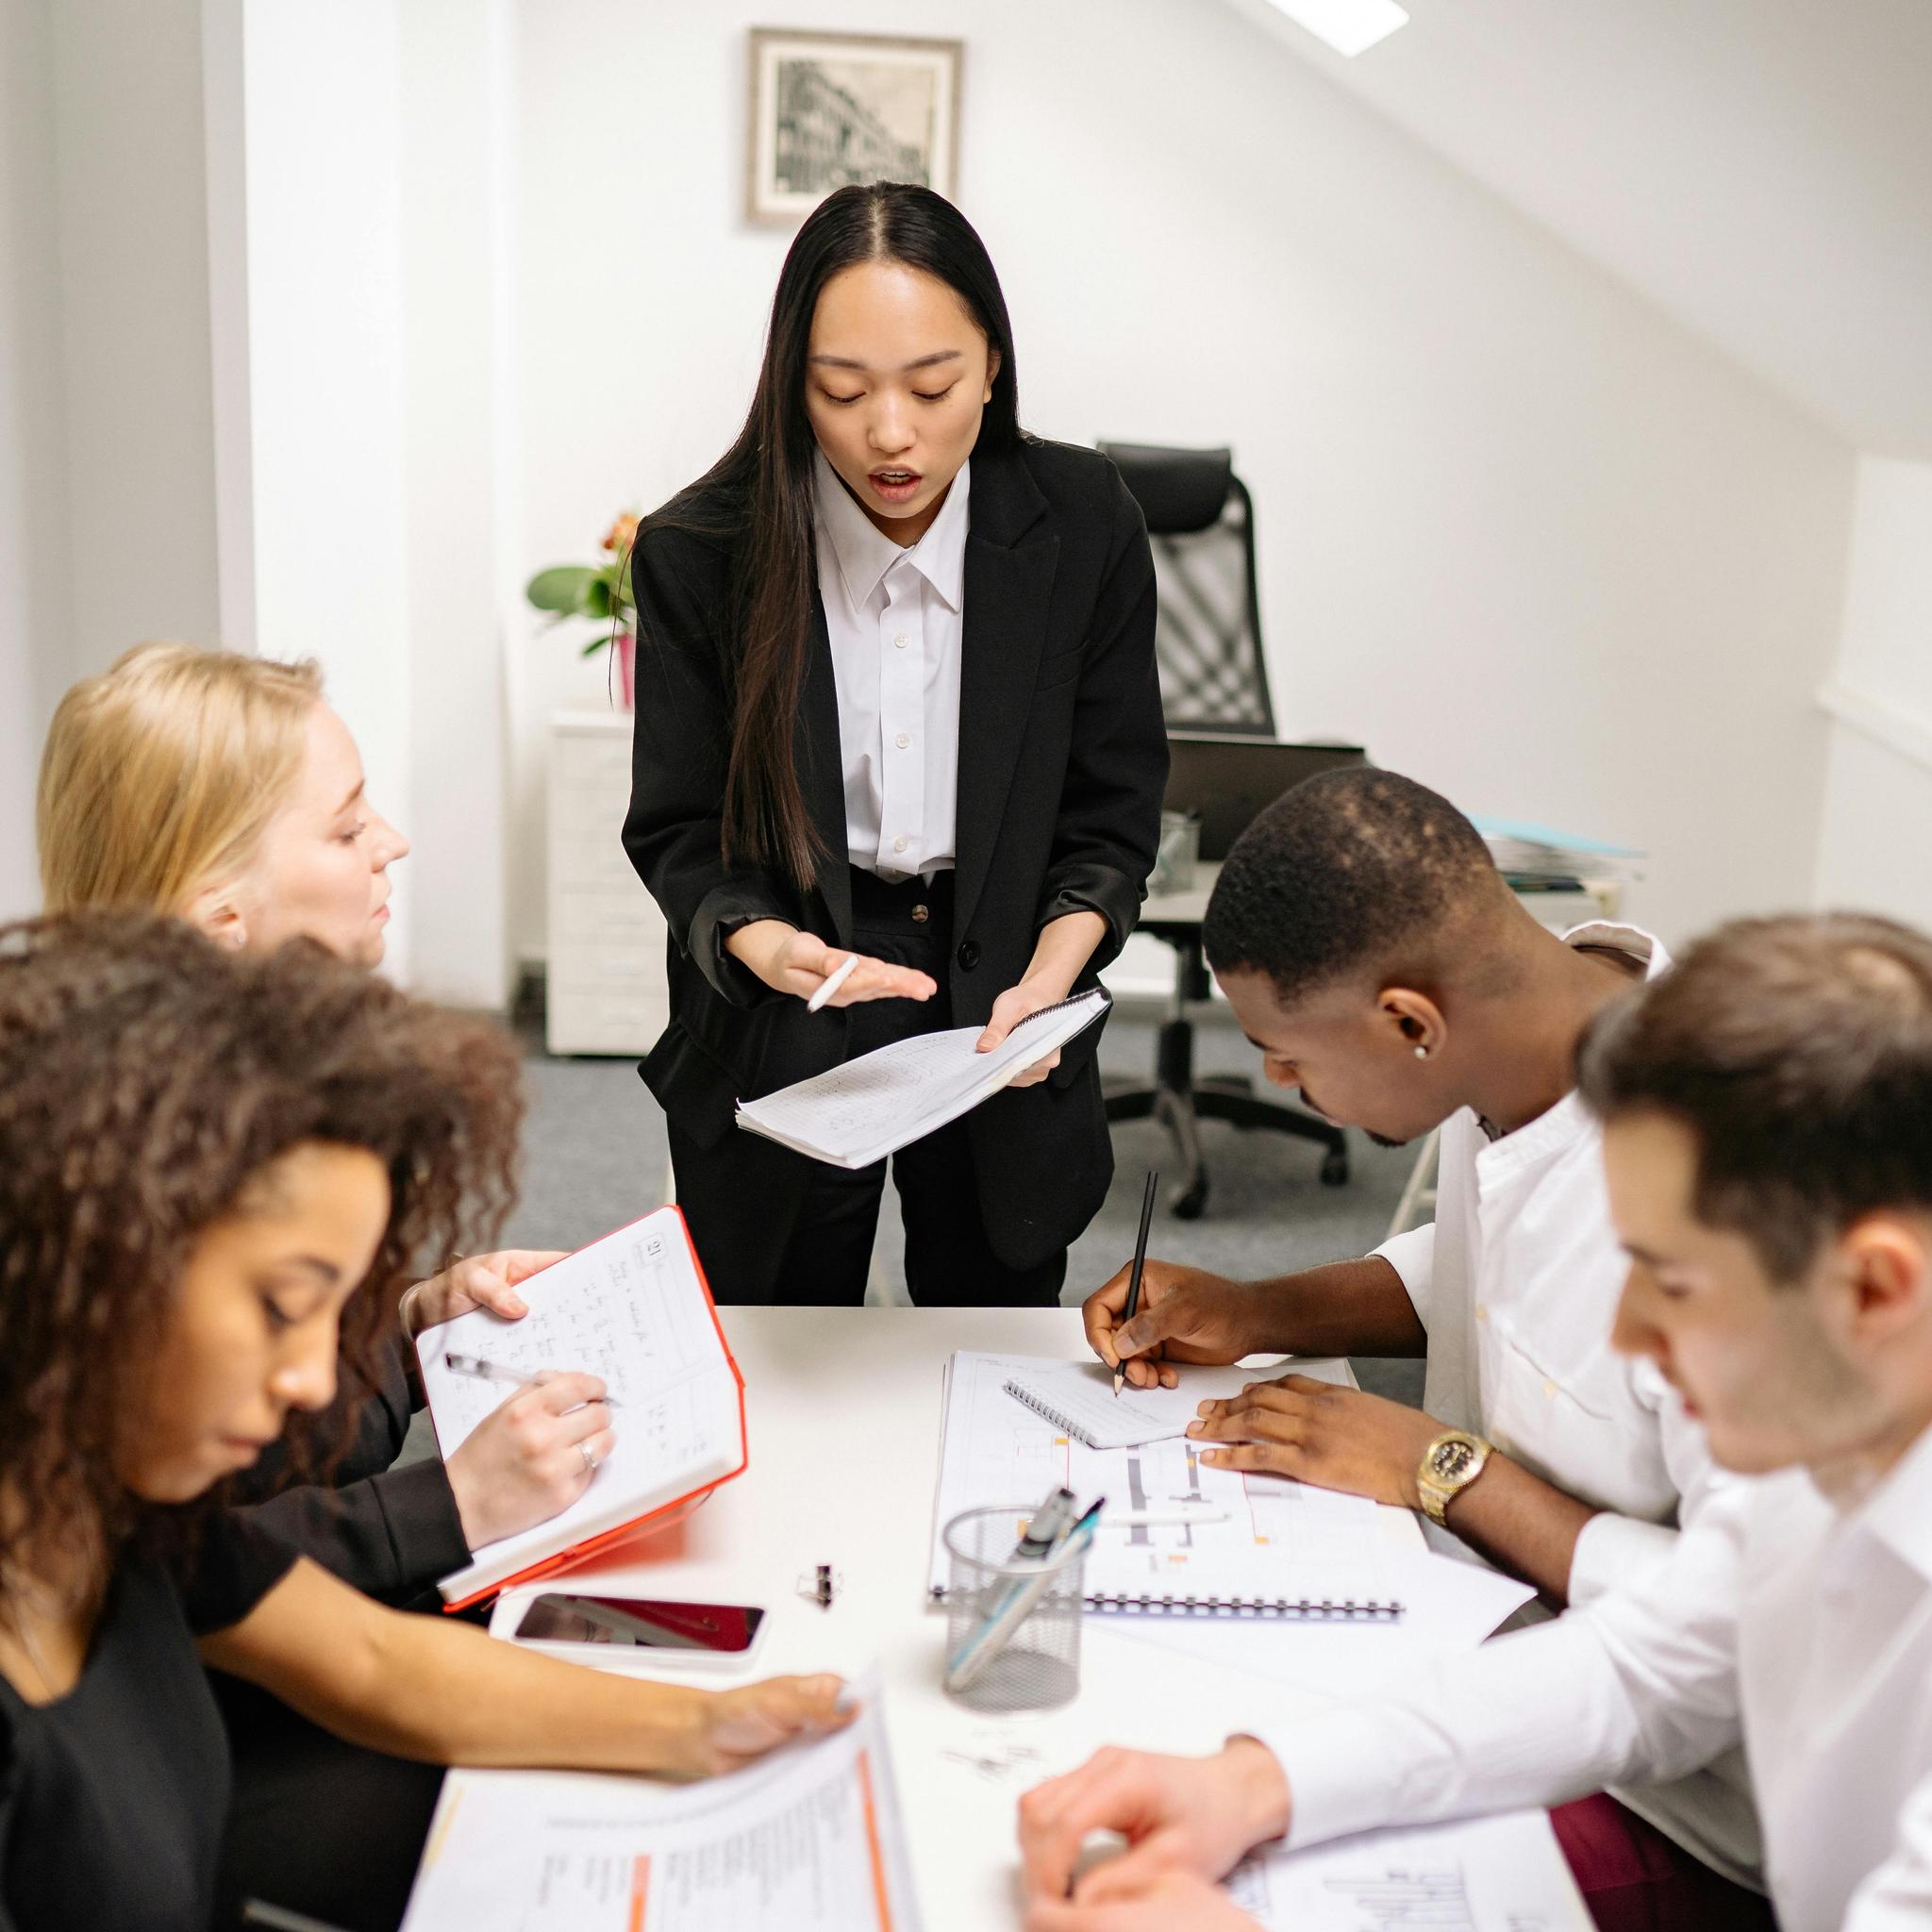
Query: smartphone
(647,1628)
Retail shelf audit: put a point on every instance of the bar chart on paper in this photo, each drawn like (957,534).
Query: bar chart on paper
(1259,1540)
(1496,1874)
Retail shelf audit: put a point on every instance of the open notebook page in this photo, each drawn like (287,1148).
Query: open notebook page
(1079,1397)
(854,1114)
(631,1309)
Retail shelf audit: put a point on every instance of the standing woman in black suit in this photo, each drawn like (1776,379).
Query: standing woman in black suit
(896,696)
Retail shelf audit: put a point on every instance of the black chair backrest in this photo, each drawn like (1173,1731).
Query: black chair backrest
(1208,634)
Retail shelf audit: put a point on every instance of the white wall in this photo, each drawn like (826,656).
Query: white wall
(1874,849)
(107,526)
(322,160)
(1529,539)
(33,486)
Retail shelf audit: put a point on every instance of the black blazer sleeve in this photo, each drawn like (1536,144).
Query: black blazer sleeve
(1109,825)
(673,831)
(392,1533)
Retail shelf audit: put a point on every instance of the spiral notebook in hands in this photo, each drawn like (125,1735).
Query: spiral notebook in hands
(853,1115)
(1231,1544)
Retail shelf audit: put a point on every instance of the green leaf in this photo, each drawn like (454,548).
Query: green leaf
(570,590)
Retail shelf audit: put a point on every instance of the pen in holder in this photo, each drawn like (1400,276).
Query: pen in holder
(1012,1626)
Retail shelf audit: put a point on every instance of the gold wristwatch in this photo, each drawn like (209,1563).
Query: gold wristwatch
(1449,1465)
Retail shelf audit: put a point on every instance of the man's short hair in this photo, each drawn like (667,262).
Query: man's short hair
(1798,1052)
(1349,872)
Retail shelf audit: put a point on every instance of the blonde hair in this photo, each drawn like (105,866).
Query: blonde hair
(160,776)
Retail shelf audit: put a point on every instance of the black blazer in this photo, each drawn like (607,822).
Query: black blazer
(1062,763)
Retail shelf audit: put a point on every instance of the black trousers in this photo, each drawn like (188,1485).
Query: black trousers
(772,1225)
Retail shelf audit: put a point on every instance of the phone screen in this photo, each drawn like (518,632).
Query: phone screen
(727,1629)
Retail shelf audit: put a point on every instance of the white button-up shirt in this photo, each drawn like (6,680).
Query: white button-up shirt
(894,618)
(1803,1627)
(1517,1284)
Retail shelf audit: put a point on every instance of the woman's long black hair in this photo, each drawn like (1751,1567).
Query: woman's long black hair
(759,494)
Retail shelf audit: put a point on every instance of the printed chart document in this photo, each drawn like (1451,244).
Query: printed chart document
(1280,1547)
(634,1309)
(1491,1875)
(808,1839)
(872,1107)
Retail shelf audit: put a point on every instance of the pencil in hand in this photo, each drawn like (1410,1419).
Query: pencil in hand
(1120,1374)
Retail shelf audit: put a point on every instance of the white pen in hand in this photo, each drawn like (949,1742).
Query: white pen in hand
(832,982)
(487,1371)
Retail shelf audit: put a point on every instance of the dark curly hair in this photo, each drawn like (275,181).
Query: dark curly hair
(146,1077)
(1348,873)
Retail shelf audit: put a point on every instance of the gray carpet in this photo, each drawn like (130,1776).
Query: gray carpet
(595,1157)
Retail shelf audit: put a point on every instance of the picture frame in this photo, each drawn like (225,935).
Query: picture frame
(831,109)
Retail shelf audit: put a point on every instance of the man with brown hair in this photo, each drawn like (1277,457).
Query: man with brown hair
(1767,1115)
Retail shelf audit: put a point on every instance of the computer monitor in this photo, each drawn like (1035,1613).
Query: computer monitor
(1225,779)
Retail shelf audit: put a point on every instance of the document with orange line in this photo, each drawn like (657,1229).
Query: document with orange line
(808,1840)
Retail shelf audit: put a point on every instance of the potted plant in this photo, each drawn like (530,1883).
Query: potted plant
(600,592)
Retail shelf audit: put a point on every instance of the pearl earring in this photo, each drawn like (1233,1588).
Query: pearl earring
(1421,1053)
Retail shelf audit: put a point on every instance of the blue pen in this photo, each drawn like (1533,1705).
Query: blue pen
(1015,1603)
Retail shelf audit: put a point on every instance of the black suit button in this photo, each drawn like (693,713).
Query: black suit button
(969,954)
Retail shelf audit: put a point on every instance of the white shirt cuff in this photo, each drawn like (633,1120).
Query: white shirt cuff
(1337,1764)
(1612,1549)
(1413,1257)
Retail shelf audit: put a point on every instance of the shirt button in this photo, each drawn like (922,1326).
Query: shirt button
(901,642)
(1549,1387)
(902,740)
(1482,1313)
(900,844)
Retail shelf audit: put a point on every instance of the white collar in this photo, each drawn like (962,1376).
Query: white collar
(1898,1510)
(865,553)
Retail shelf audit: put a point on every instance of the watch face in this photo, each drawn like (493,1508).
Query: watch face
(1451,1462)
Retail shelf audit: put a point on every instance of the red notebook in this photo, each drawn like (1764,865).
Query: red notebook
(635,1310)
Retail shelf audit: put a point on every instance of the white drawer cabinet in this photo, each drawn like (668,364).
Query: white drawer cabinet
(605,990)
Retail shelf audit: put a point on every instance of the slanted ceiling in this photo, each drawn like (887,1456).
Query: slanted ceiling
(1762,170)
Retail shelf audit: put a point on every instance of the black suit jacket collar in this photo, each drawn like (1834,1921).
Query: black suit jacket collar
(1011,562)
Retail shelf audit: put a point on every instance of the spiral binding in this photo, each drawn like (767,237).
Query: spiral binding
(1234,1608)
(1047,1413)
(1059,1006)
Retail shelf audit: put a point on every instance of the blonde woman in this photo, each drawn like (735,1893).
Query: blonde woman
(223,789)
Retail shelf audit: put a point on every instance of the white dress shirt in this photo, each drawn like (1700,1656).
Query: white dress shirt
(1803,1627)
(1517,1284)
(894,618)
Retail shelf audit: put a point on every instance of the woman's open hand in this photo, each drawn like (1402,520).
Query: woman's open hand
(799,963)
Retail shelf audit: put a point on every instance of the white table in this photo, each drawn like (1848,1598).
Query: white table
(843,1408)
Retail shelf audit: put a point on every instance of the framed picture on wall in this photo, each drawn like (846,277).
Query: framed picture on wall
(831,109)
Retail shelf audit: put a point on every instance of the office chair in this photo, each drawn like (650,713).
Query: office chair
(1208,646)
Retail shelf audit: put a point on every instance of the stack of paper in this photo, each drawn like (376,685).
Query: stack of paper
(1531,854)
(872,1107)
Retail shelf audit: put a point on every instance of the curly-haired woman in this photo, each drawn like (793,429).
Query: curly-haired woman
(211,1165)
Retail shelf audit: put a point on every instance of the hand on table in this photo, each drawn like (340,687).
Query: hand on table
(733,1727)
(799,963)
(1169,1903)
(1336,1438)
(476,1281)
(1186,1315)
(530,1457)
(1194,1817)
(1016,1004)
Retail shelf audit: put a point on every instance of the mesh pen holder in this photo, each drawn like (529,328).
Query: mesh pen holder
(1012,1626)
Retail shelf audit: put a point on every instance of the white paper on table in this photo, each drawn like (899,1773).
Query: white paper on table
(631,1309)
(1277,1540)
(808,1839)
(1449,1608)
(1491,1875)
(854,1114)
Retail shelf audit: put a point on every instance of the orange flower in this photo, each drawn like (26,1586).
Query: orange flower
(617,539)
